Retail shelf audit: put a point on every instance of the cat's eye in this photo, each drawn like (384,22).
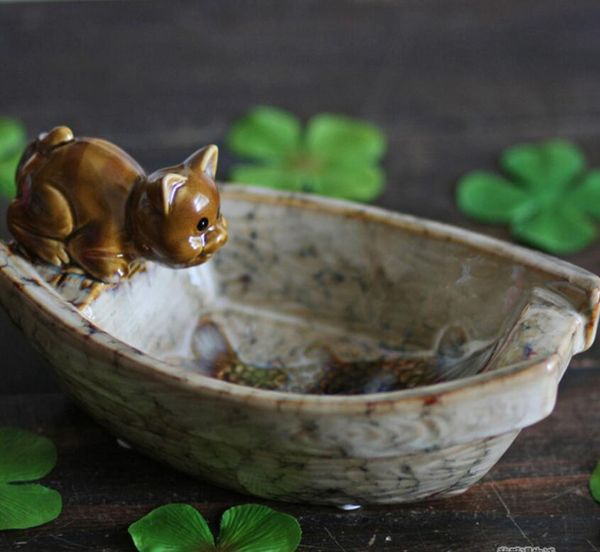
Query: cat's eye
(203,224)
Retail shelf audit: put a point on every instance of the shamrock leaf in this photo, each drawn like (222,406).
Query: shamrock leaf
(255,528)
(546,200)
(335,156)
(345,140)
(265,134)
(176,527)
(551,165)
(12,144)
(248,528)
(595,483)
(25,456)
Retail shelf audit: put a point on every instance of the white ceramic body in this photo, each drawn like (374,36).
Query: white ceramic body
(115,357)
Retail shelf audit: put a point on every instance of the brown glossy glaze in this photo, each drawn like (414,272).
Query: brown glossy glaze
(85,202)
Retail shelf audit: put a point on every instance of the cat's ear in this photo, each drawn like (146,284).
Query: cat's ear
(169,185)
(204,161)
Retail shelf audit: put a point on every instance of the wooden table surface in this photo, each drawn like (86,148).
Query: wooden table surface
(450,82)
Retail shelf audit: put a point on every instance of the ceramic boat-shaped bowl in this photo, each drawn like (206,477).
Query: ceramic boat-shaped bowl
(302,275)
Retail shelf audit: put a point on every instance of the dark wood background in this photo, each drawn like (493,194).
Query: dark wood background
(450,82)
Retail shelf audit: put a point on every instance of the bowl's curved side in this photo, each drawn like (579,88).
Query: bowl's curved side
(293,477)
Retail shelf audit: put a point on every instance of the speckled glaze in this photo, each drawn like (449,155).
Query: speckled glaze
(300,271)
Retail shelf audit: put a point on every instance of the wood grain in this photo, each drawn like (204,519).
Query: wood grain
(451,83)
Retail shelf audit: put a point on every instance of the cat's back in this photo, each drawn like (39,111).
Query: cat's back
(93,175)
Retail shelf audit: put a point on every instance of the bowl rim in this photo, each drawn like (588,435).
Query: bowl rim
(22,275)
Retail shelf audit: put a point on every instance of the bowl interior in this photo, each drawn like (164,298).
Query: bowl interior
(325,298)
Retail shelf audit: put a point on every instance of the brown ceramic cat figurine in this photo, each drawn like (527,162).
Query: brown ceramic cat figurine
(85,202)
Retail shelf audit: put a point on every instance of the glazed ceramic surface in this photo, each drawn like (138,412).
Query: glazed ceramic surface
(304,279)
(84,202)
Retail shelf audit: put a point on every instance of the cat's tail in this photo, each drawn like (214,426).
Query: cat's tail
(58,136)
(45,143)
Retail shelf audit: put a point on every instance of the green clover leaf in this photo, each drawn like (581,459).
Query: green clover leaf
(174,527)
(550,165)
(265,134)
(595,483)
(248,528)
(12,144)
(335,155)
(546,200)
(25,456)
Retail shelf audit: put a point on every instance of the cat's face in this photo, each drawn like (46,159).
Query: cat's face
(177,219)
